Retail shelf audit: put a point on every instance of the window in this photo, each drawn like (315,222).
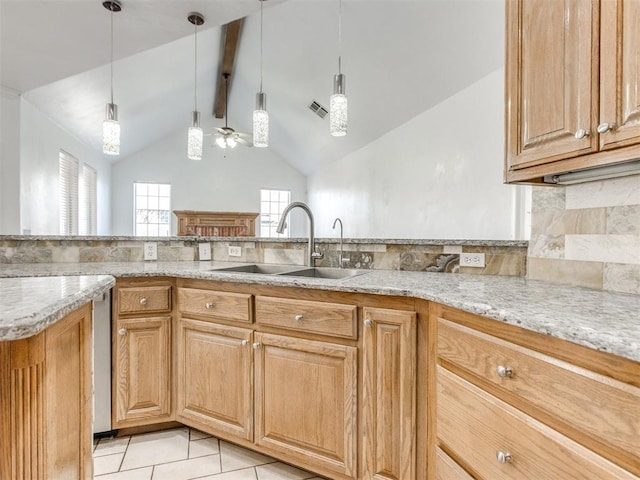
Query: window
(272,203)
(152,207)
(68,193)
(87,201)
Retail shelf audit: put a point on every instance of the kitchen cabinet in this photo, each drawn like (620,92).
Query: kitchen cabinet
(306,401)
(142,353)
(389,394)
(572,86)
(527,410)
(46,394)
(215,363)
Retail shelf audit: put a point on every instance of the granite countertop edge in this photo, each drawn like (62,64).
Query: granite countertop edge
(604,321)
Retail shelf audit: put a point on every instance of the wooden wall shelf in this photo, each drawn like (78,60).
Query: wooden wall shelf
(216,224)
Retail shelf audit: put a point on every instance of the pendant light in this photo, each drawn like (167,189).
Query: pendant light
(260,114)
(195,135)
(338,101)
(111,126)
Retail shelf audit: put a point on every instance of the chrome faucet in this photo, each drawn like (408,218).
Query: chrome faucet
(340,260)
(312,255)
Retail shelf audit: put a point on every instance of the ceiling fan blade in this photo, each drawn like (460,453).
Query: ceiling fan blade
(221,130)
(243,141)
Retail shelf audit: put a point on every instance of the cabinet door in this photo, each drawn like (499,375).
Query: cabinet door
(215,368)
(306,401)
(142,370)
(389,394)
(551,75)
(620,72)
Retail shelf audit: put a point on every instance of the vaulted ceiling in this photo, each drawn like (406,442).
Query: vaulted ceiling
(401,57)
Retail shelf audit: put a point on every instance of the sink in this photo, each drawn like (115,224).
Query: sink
(325,272)
(292,271)
(264,268)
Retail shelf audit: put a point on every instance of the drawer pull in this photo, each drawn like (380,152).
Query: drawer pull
(368,323)
(504,457)
(505,372)
(256,346)
(581,133)
(208,305)
(122,331)
(298,318)
(245,343)
(605,127)
(143,301)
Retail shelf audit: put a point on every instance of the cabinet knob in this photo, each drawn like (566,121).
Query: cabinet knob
(245,343)
(368,323)
(605,127)
(122,331)
(208,305)
(581,133)
(298,318)
(256,345)
(504,457)
(504,372)
(143,301)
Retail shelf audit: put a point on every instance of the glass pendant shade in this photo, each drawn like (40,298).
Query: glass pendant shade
(338,107)
(195,138)
(261,121)
(111,131)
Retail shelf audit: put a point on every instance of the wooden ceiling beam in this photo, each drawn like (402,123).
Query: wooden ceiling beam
(231,38)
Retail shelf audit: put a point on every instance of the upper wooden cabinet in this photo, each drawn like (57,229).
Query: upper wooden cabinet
(572,86)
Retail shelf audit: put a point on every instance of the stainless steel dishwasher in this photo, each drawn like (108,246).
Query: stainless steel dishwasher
(102,365)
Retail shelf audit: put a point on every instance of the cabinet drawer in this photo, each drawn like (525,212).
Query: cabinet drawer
(334,319)
(215,305)
(448,469)
(144,299)
(603,408)
(477,427)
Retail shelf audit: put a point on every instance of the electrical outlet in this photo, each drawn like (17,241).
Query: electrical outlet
(204,251)
(472,260)
(150,250)
(235,251)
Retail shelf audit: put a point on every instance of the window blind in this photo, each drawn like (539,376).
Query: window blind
(68,194)
(87,201)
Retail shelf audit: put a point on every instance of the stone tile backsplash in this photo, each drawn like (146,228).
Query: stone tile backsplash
(587,235)
(502,257)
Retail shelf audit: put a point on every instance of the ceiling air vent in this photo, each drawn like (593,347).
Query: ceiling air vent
(318,109)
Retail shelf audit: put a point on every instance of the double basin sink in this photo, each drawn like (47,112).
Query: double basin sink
(293,271)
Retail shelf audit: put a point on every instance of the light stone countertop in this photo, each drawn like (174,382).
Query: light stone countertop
(604,321)
(28,305)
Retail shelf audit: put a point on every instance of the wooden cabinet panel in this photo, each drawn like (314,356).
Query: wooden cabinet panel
(334,319)
(491,426)
(551,74)
(215,305)
(142,384)
(620,72)
(389,394)
(147,299)
(448,469)
(306,401)
(215,378)
(605,409)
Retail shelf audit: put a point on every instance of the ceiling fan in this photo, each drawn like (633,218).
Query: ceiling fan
(227,137)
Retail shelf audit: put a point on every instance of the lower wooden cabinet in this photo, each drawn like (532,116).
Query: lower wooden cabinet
(215,378)
(389,394)
(142,381)
(47,404)
(306,401)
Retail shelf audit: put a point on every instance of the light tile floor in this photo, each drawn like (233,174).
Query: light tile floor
(185,454)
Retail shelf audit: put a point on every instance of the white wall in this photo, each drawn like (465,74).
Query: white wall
(9,162)
(40,144)
(437,176)
(215,183)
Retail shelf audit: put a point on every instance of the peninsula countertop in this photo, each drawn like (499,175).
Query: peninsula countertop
(604,321)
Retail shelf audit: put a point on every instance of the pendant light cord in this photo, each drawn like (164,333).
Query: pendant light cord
(195,68)
(261,52)
(111,10)
(339,36)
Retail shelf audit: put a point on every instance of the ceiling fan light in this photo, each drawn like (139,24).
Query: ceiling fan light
(226,141)
(338,107)
(261,121)
(111,131)
(195,138)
